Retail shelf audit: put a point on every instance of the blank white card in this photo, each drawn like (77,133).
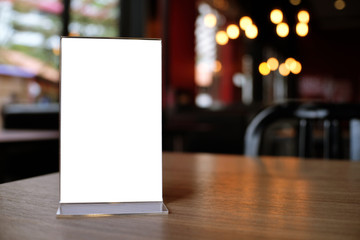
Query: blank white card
(110,120)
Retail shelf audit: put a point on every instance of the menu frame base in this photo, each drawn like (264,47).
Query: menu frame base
(109,209)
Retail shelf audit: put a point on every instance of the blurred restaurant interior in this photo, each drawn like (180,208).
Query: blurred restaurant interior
(223,61)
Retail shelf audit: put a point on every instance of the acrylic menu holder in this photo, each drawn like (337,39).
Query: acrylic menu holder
(110,127)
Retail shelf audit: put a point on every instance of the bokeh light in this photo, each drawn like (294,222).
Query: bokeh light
(56,51)
(339,4)
(203,75)
(276,16)
(264,68)
(295,2)
(221,38)
(210,20)
(233,31)
(217,66)
(282,30)
(303,16)
(203,100)
(239,79)
(251,31)
(245,22)
(290,63)
(302,29)
(283,70)
(273,63)
(74,34)
(297,68)
(221,4)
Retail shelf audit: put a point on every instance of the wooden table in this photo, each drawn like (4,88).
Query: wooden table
(209,197)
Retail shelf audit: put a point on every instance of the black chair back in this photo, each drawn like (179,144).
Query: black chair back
(331,114)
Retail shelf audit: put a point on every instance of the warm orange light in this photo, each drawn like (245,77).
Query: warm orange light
(251,31)
(210,20)
(339,4)
(233,31)
(283,70)
(56,51)
(297,68)
(303,16)
(290,63)
(245,22)
(276,16)
(264,68)
(217,66)
(282,30)
(221,38)
(302,29)
(273,63)
(295,2)
(74,34)
(221,4)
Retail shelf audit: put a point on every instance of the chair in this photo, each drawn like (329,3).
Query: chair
(334,117)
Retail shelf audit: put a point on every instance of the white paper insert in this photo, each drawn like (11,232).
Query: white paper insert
(110,120)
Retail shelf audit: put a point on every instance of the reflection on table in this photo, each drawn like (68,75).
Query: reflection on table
(209,197)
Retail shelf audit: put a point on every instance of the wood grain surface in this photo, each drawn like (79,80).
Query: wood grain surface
(209,197)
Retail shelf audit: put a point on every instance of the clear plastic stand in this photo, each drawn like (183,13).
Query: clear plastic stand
(106,209)
(111,156)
